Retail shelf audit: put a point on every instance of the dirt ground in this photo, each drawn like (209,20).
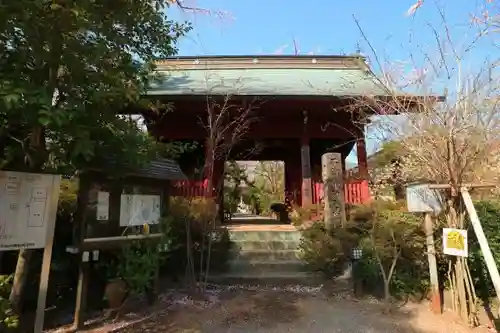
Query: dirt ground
(240,310)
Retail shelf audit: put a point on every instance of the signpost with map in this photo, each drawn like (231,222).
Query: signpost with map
(28,209)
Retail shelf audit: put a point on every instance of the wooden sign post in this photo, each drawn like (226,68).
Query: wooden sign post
(436,305)
(28,209)
(421,199)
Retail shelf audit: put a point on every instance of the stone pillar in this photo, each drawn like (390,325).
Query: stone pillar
(362,158)
(333,183)
(306,184)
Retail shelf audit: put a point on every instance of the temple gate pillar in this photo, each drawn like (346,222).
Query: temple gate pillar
(213,172)
(362,158)
(317,182)
(293,181)
(344,168)
(208,170)
(305,163)
(306,177)
(218,184)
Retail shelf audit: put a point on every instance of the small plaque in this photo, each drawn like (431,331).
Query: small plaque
(455,242)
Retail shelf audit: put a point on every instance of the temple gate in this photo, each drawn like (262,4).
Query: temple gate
(304,106)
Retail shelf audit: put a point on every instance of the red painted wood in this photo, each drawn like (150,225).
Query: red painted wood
(355,191)
(326,119)
(189,188)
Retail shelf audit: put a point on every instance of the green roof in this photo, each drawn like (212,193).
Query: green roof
(304,76)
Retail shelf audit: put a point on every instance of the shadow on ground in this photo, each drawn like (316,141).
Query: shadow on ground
(243,311)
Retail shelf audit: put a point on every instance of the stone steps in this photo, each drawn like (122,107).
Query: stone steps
(269,278)
(265,235)
(244,246)
(243,266)
(265,253)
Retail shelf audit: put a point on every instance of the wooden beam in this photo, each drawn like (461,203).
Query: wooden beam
(270,128)
(483,242)
(468,186)
(105,243)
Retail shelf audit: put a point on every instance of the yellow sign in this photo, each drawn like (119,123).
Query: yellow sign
(455,242)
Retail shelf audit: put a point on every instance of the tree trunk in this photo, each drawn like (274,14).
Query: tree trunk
(387,292)
(20,276)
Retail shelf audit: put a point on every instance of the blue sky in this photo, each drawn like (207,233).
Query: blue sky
(324,27)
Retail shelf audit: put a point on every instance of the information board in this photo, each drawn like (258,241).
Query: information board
(138,209)
(422,199)
(102,210)
(28,208)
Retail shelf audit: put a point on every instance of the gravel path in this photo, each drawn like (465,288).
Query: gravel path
(243,311)
(275,313)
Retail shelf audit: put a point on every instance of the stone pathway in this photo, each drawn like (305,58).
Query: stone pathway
(295,311)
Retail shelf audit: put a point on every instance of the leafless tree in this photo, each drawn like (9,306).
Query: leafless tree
(447,124)
(227,120)
(270,176)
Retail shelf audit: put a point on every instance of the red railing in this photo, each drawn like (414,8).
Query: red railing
(355,191)
(189,188)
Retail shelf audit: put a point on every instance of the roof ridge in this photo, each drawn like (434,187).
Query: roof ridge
(264,62)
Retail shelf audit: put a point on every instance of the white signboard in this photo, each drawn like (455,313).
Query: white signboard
(422,199)
(455,242)
(102,210)
(28,208)
(138,209)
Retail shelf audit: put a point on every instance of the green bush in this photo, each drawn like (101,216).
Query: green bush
(386,227)
(327,251)
(8,320)
(380,226)
(138,265)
